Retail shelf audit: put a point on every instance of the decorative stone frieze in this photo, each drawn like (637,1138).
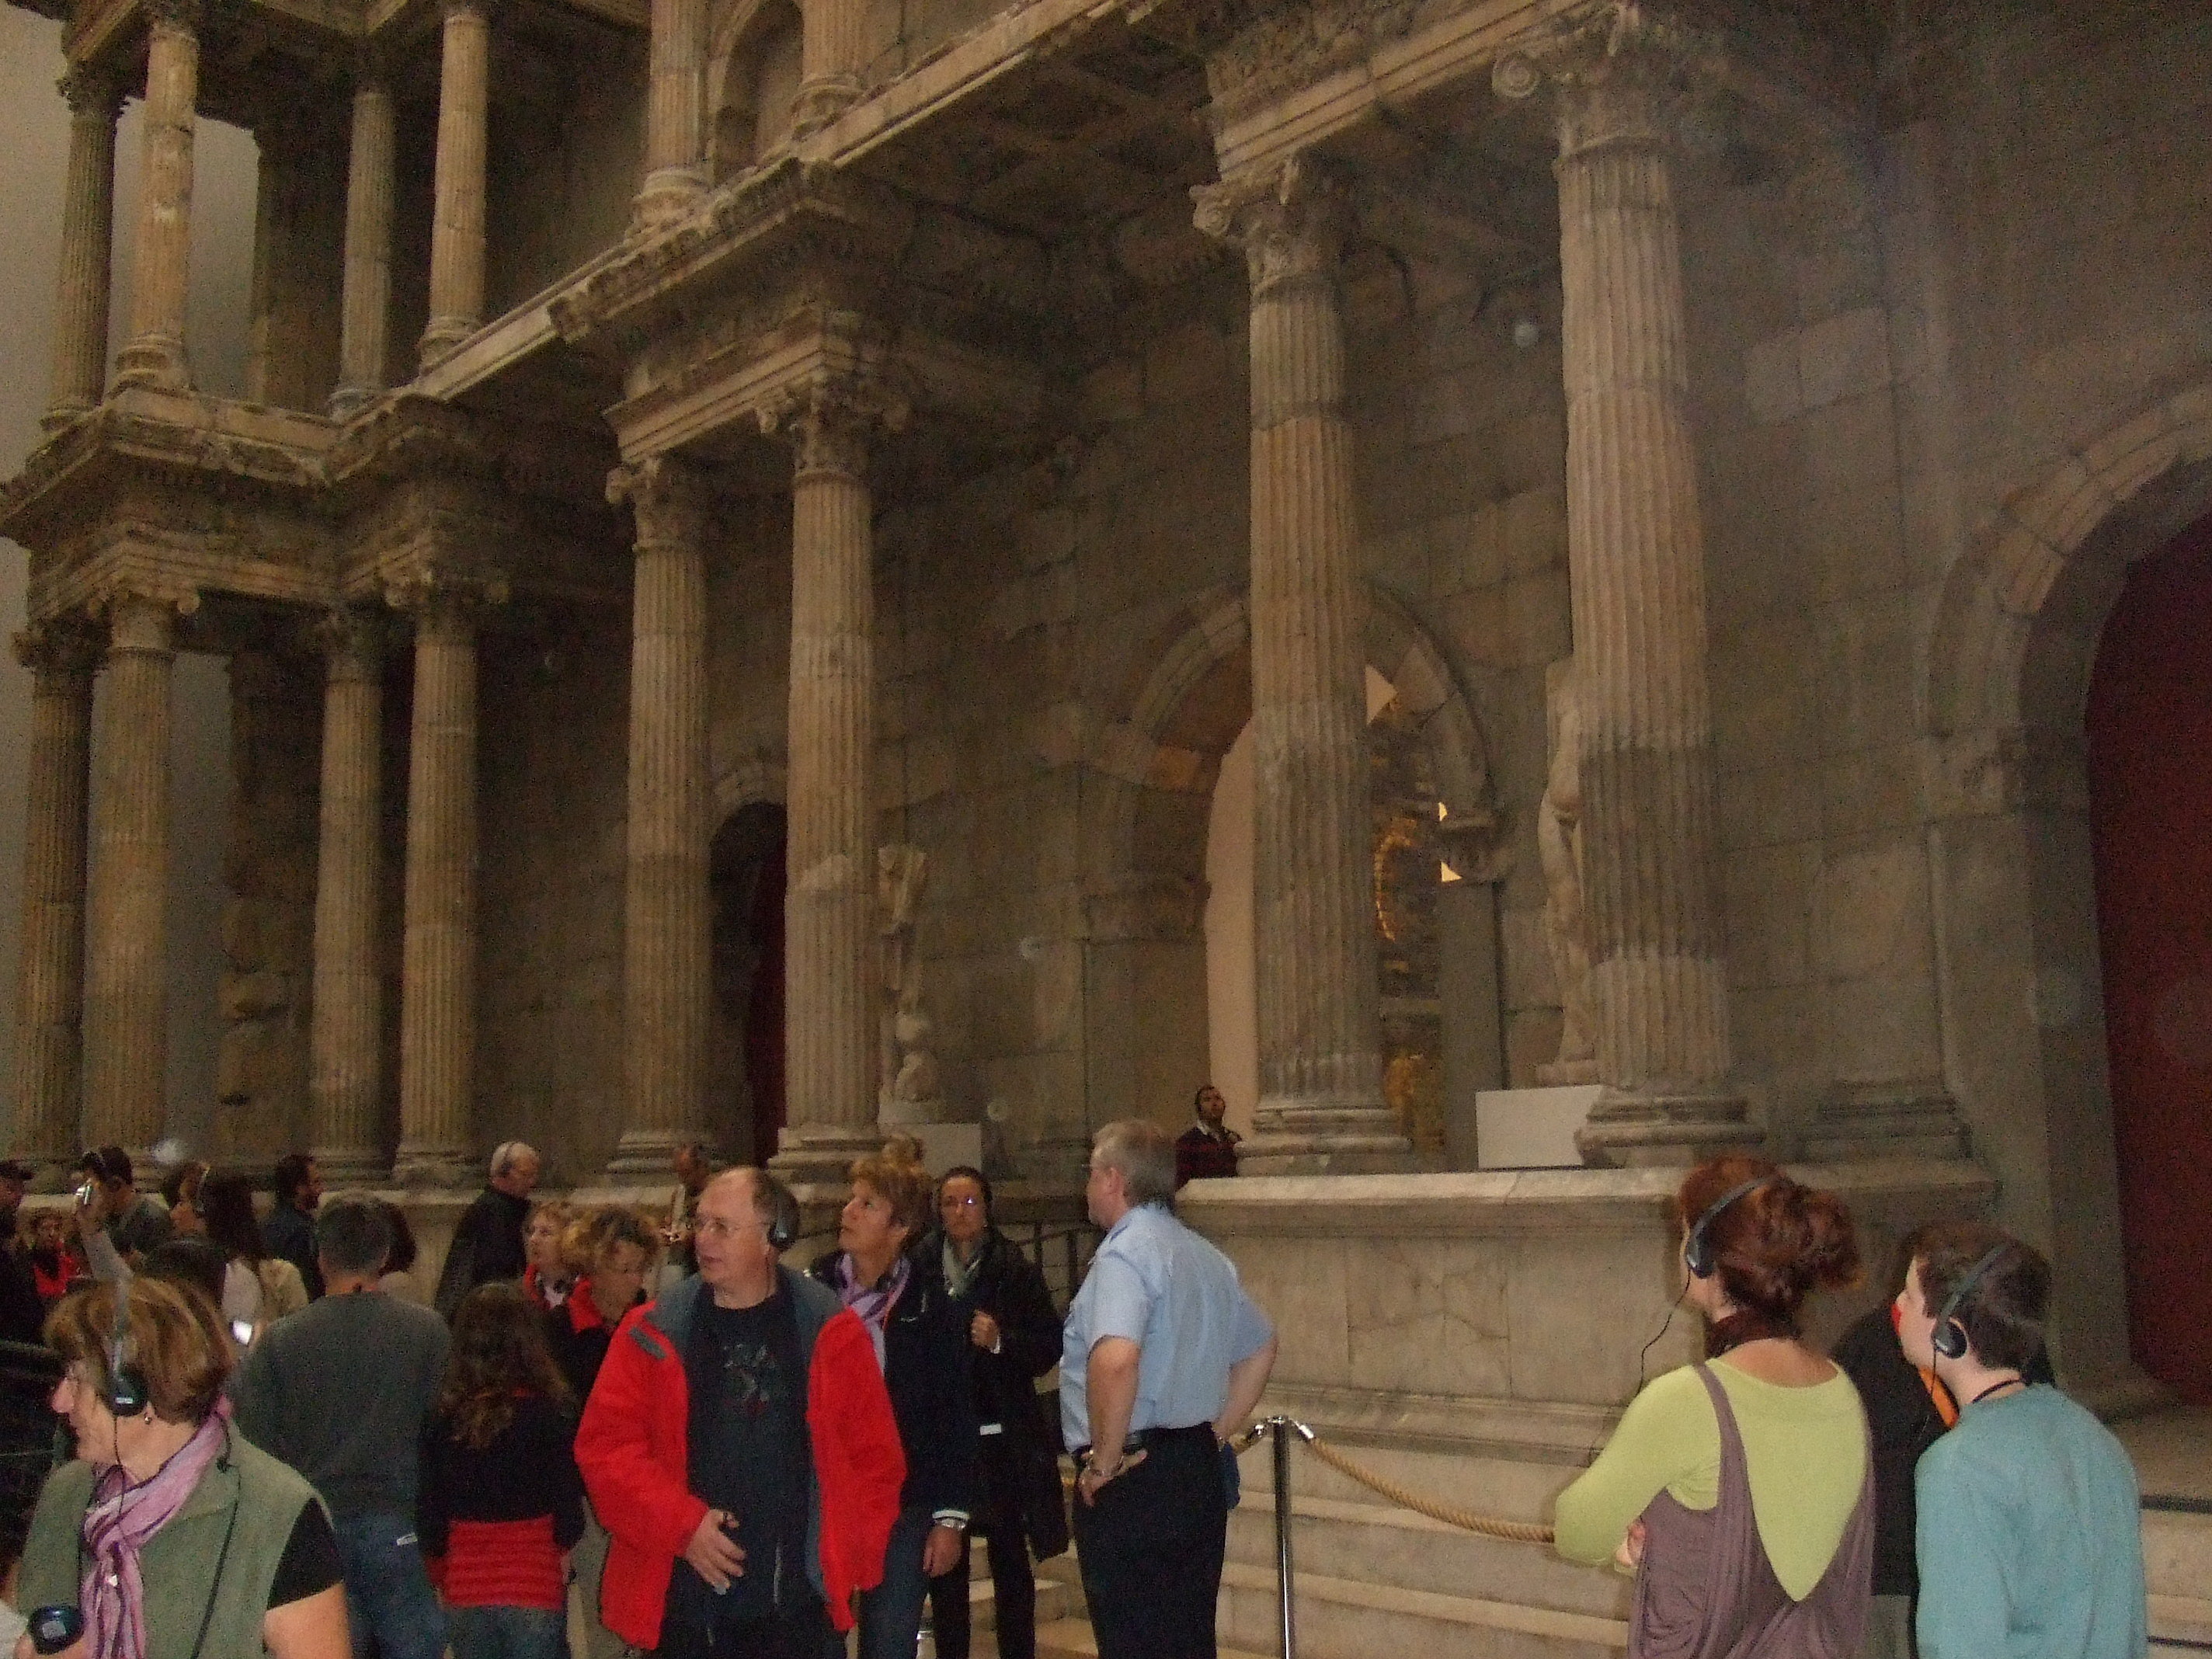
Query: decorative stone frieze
(50,983)
(1293,46)
(127,1025)
(1320,1106)
(155,354)
(346,1039)
(667,917)
(81,298)
(1658,987)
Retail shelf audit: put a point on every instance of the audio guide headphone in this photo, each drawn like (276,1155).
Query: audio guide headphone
(1949,1337)
(1698,1250)
(127,1393)
(783,1213)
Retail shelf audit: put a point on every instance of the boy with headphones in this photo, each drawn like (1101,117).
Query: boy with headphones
(2029,1535)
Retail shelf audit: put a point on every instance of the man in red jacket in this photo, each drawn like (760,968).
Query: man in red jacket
(739,1448)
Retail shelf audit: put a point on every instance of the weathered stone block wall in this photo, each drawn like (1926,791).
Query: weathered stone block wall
(554,761)
(566,156)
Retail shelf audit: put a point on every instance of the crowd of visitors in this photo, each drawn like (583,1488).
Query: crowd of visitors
(279,1447)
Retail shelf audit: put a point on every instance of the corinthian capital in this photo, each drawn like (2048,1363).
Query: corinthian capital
(831,418)
(186,15)
(91,91)
(1291,219)
(1618,74)
(57,645)
(669,497)
(351,640)
(432,594)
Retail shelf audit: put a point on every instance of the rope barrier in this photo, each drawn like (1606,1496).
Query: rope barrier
(1451,1515)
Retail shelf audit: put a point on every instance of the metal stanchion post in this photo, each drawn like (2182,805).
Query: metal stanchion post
(1280,1428)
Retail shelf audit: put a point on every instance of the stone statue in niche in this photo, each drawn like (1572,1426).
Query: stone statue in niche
(1566,929)
(908,1092)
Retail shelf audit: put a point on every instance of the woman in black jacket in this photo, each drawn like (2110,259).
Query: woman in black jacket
(1013,1337)
(920,1338)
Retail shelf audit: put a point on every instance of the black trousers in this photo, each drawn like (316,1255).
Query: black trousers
(998,1522)
(1151,1547)
(801,1632)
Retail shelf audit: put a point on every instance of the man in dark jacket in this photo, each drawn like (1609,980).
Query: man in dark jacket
(288,1230)
(1015,1339)
(487,1240)
(1207,1150)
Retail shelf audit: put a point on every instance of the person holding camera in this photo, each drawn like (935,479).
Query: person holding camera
(168,1535)
(2029,1530)
(135,1222)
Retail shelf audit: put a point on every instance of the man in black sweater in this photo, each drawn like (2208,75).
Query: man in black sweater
(341,1391)
(488,1241)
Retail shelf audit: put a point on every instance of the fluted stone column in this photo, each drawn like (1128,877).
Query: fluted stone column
(155,352)
(126,1003)
(830,908)
(364,307)
(1321,1062)
(88,219)
(50,987)
(1636,553)
(346,1040)
(456,226)
(667,919)
(832,50)
(437,998)
(675,174)
(270,349)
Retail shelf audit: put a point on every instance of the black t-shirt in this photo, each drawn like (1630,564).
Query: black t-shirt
(310,1562)
(748,1455)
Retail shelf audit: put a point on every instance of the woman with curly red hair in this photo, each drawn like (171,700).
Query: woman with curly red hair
(1741,1489)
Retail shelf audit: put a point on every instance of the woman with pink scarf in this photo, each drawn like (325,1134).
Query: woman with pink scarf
(168,1536)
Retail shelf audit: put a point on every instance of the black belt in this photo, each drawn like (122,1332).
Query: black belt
(1138,1439)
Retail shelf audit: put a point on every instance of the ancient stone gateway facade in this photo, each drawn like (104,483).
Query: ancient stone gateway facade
(690,449)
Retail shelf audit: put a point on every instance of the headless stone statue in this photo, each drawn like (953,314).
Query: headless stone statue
(1566,930)
(908,1092)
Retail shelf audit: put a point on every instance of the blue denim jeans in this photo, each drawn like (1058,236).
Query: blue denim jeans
(891,1613)
(391,1609)
(508,1633)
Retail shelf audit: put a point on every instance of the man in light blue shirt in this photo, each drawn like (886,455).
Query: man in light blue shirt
(2030,1530)
(1162,1358)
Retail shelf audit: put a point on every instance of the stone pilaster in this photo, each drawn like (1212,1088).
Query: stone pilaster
(438,968)
(667,976)
(832,50)
(1636,553)
(126,1003)
(456,226)
(675,171)
(1320,1068)
(346,1039)
(87,218)
(365,309)
(50,986)
(830,909)
(155,352)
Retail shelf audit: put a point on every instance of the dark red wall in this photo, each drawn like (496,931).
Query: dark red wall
(2150,797)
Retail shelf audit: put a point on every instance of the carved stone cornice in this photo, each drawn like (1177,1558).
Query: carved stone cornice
(1294,45)
(1291,219)
(670,499)
(406,436)
(772,221)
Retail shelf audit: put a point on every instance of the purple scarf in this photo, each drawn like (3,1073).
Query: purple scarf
(872,1303)
(121,1518)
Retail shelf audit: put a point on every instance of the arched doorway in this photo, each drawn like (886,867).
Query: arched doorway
(2150,797)
(745,1059)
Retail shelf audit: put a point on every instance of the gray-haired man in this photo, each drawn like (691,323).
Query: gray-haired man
(1163,1357)
(487,1240)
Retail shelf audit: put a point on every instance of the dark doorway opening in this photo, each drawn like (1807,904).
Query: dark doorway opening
(745,1057)
(2150,797)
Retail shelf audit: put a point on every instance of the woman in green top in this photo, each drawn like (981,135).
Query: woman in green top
(1733,1488)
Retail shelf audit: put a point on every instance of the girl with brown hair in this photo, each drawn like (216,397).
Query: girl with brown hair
(1741,1489)
(501,1504)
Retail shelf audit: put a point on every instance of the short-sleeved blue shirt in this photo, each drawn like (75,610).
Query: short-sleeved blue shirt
(1177,1297)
